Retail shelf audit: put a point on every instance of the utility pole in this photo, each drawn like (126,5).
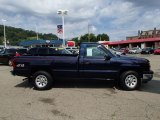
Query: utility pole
(5,44)
(37,32)
(63,13)
(88,33)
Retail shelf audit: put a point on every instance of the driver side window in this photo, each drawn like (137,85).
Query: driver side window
(94,51)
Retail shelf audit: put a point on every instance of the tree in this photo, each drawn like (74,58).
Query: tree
(103,37)
(91,38)
(1,40)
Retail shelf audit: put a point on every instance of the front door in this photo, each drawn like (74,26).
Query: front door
(94,63)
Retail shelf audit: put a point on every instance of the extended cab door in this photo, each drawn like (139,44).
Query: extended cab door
(65,66)
(96,62)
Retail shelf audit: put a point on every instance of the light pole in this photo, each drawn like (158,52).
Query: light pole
(89,31)
(5,44)
(63,13)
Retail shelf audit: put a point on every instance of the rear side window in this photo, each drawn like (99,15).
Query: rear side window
(32,51)
(52,51)
(22,51)
(42,51)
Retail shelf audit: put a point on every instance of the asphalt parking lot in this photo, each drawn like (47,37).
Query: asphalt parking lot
(82,100)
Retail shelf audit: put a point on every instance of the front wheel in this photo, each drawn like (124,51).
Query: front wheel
(42,80)
(130,80)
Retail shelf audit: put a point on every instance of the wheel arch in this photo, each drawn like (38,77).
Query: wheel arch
(138,71)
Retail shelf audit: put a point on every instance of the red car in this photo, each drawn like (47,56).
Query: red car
(157,51)
(124,50)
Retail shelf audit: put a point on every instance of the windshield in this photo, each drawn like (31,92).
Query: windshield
(9,51)
(107,51)
(112,51)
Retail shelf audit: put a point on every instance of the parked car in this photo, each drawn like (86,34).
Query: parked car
(1,49)
(8,54)
(44,51)
(63,51)
(147,50)
(117,52)
(73,50)
(157,51)
(135,50)
(22,51)
(124,50)
(93,61)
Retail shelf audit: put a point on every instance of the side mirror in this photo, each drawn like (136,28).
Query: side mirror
(107,57)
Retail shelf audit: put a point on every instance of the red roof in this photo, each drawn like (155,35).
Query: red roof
(133,41)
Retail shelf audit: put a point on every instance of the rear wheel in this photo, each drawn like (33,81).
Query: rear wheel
(42,80)
(130,80)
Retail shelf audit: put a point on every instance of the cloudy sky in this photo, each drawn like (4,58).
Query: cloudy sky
(117,18)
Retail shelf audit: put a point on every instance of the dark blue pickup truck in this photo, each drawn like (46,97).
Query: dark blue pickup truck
(93,61)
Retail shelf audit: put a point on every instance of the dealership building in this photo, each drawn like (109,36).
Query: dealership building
(150,38)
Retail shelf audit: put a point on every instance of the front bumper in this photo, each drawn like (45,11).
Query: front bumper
(147,76)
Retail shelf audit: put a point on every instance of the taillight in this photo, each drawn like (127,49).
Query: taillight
(14,63)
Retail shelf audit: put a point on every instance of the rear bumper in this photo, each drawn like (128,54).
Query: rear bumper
(147,76)
(22,72)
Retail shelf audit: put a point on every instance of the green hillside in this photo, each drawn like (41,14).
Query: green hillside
(15,35)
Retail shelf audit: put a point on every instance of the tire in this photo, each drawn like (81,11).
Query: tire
(130,80)
(10,62)
(42,80)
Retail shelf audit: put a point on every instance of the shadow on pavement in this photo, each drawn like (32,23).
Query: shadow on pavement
(83,84)
(73,84)
(25,84)
(151,87)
